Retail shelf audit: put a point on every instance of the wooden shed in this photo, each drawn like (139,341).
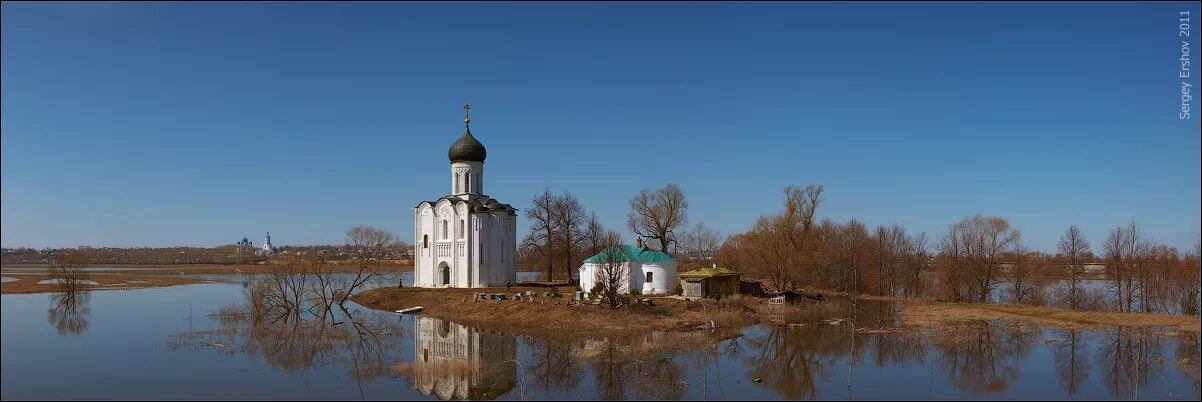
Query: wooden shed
(751,287)
(708,282)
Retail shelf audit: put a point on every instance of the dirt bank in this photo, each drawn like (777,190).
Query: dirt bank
(28,282)
(558,318)
(928,313)
(555,317)
(195,269)
(132,276)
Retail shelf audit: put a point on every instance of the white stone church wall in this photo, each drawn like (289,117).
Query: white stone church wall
(663,277)
(589,272)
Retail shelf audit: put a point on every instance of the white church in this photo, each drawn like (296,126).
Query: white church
(465,239)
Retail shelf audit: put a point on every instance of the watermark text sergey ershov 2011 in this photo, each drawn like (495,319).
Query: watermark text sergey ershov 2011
(1183,33)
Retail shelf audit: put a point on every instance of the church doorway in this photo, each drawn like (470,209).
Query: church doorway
(446,275)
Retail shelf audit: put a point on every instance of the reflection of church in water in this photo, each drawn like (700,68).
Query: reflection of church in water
(455,361)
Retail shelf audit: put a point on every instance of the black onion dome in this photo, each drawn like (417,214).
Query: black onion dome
(467,149)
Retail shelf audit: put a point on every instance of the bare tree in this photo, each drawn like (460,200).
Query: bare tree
(658,215)
(850,250)
(1123,248)
(700,242)
(612,272)
(890,247)
(1020,274)
(67,271)
(782,244)
(971,250)
(797,227)
(369,245)
(596,237)
(541,238)
(1074,250)
(915,263)
(1191,297)
(70,308)
(568,218)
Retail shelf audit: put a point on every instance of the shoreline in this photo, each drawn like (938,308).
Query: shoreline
(554,317)
(137,276)
(550,317)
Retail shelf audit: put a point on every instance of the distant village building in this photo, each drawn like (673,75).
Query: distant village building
(465,239)
(268,248)
(650,271)
(710,282)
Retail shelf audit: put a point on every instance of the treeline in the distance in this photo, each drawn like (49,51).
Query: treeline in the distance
(977,259)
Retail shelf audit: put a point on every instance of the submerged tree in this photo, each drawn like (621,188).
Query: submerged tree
(69,308)
(67,271)
(369,246)
(1073,249)
(970,251)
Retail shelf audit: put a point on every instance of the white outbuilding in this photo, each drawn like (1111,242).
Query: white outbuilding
(650,271)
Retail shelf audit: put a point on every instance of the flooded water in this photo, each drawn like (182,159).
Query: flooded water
(168,343)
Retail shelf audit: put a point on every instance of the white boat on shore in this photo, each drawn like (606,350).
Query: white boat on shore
(410,310)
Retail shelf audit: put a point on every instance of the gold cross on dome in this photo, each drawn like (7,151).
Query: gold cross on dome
(467,108)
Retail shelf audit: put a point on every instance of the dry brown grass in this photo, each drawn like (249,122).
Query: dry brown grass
(197,269)
(938,314)
(555,317)
(156,276)
(28,282)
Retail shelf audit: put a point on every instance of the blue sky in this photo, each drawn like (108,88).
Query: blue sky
(197,123)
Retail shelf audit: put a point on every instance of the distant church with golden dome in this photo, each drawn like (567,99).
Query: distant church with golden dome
(465,239)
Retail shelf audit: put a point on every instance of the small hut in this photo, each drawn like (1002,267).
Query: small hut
(751,287)
(708,282)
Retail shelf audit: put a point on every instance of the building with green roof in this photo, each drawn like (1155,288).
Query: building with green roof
(652,272)
(710,281)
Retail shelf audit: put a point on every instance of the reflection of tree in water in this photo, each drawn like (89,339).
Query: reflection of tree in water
(1187,357)
(789,359)
(982,357)
(657,378)
(292,329)
(610,373)
(69,311)
(649,365)
(552,366)
(613,369)
(898,348)
(1071,360)
(1129,358)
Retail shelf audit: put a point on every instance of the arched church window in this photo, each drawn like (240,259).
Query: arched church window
(468,177)
(462,229)
(649,277)
(425,241)
(444,230)
(456,182)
